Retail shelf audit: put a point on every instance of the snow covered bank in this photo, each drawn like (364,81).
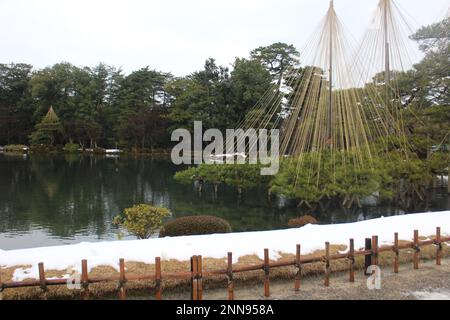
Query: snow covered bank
(311,237)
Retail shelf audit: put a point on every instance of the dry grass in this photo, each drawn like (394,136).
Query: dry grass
(135,288)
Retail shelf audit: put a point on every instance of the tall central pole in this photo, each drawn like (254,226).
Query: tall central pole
(386,47)
(330,102)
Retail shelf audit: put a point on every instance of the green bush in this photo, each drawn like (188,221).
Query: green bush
(142,220)
(409,177)
(187,176)
(439,163)
(241,176)
(195,225)
(71,147)
(322,176)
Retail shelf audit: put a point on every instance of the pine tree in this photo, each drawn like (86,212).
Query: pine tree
(47,130)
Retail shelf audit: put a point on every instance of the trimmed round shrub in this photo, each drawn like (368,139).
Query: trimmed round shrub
(195,225)
(302,221)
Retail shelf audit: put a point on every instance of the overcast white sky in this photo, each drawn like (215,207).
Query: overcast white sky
(171,35)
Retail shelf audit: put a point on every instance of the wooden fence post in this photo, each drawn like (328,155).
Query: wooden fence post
(351,257)
(42,280)
(230,285)
(122,280)
(158,281)
(298,265)
(1,285)
(416,250)
(194,295)
(327,264)
(396,252)
(375,250)
(368,256)
(84,280)
(439,246)
(199,278)
(266,273)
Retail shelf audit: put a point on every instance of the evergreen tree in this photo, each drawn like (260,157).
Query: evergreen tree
(47,130)
(277,58)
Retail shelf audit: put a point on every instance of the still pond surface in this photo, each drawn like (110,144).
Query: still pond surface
(64,199)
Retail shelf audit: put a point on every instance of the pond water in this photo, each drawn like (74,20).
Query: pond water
(64,199)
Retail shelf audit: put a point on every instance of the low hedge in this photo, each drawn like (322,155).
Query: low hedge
(15,148)
(302,221)
(44,148)
(195,225)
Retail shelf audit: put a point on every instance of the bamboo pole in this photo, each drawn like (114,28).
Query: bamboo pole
(266,274)
(158,280)
(194,278)
(416,250)
(330,89)
(352,261)
(439,246)
(386,49)
(42,280)
(1,285)
(122,280)
(84,280)
(368,255)
(375,250)
(230,285)
(298,265)
(396,252)
(199,278)
(327,264)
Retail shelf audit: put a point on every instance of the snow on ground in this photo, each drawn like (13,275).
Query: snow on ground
(440,294)
(311,237)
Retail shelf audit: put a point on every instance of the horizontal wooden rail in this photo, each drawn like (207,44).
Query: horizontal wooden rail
(197,274)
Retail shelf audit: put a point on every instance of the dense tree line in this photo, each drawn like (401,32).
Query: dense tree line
(101,106)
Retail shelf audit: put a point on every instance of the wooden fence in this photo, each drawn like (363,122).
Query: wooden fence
(197,273)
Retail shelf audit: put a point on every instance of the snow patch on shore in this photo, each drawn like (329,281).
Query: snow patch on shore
(440,294)
(311,237)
